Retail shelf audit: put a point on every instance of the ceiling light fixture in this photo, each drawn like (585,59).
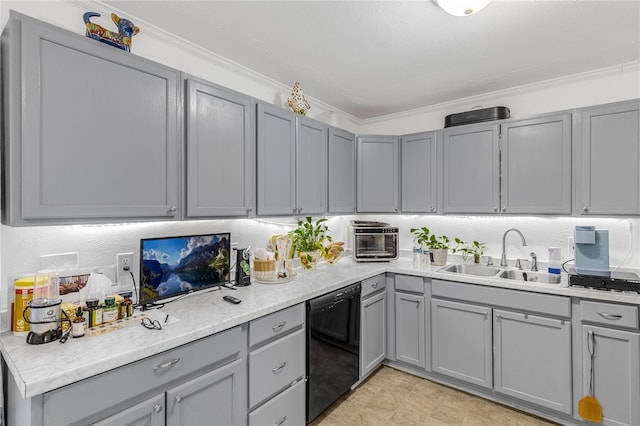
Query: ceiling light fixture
(462,7)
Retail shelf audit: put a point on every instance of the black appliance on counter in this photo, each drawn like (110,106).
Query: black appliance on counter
(333,347)
(618,281)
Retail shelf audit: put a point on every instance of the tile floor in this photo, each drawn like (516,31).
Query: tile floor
(392,397)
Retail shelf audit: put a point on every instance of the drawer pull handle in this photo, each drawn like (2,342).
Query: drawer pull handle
(157,408)
(278,369)
(166,364)
(375,285)
(281,422)
(278,327)
(613,317)
(179,398)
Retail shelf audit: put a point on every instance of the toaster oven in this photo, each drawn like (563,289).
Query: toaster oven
(374,241)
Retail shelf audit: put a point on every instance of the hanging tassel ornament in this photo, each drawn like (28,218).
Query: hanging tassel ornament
(297,101)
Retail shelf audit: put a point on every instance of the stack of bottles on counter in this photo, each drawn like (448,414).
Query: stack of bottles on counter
(94,313)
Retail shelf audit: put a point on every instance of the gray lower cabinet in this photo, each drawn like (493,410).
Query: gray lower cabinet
(378,176)
(147,413)
(532,358)
(471,169)
(461,341)
(615,330)
(277,366)
(220,151)
(342,171)
(608,154)
(92,133)
(536,165)
(373,332)
(410,328)
(291,163)
(419,172)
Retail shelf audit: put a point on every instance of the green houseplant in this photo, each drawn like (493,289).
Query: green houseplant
(307,240)
(476,248)
(439,246)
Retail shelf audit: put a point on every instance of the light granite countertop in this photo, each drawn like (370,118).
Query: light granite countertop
(41,368)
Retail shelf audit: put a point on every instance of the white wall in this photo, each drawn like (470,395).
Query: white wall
(20,248)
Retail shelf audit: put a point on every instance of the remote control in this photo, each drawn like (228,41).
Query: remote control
(232,299)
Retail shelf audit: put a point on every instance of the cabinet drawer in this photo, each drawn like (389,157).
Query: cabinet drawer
(275,324)
(288,408)
(138,378)
(373,284)
(410,283)
(275,366)
(609,314)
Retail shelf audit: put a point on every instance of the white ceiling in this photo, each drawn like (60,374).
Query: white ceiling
(372,58)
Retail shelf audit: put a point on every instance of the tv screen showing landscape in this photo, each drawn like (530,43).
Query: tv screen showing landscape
(172,266)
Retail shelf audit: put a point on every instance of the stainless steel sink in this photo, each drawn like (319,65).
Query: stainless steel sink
(483,271)
(540,277)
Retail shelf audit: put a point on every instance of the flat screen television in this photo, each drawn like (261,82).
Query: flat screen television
(173,266)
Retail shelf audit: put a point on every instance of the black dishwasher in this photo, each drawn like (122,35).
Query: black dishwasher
(333,347)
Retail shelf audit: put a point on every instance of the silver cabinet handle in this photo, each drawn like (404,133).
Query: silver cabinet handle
(166,364)
(585,209)
(281,422)
(613,317)
(172,210)
(375,285)
(179,398)
(433,209)
(157,408)
(504,210)
(279,368)
(495,209)
(498,316)
(249,210)
(485,313)
(278,327)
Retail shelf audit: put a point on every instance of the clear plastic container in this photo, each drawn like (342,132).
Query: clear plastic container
(555,261)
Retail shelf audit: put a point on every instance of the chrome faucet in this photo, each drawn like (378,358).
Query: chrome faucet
(534,262)
(503,259)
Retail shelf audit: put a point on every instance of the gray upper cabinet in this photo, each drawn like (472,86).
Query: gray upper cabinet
(608,154)
(536,165)
(92,133)
(378,174)
(342,171)
(276,161)
(220,152)
(471,169)
(419,173)
(291,163)
(311,166)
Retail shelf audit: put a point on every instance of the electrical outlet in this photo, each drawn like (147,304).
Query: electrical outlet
(571,248)
(234,246)
(124,265)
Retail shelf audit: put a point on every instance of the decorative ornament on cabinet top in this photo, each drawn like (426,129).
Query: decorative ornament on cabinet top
(120,39)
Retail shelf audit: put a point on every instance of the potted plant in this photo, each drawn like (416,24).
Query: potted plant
(476,248)
(307,240)
(439,246)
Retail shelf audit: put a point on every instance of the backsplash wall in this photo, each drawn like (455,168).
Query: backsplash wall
(97,245)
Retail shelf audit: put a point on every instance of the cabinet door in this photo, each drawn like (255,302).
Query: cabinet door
(536,165)
(471,169)
(99,131)
(609,155)
(311,167)
(218,397)
(276,161)
(342,171)
(410,329)
(419,173)
(378,162)
(373,332)
(146,413)
(533,359)
(219,152)
(461,341)
(616,373)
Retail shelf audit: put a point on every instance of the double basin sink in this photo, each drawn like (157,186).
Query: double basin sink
(509,274)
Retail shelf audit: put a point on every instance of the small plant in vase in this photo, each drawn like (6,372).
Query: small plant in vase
(439,246)
(307,240)
(476,248)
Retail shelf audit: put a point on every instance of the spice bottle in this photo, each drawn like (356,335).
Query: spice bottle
(110,310)
(78,324)
(126,307)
